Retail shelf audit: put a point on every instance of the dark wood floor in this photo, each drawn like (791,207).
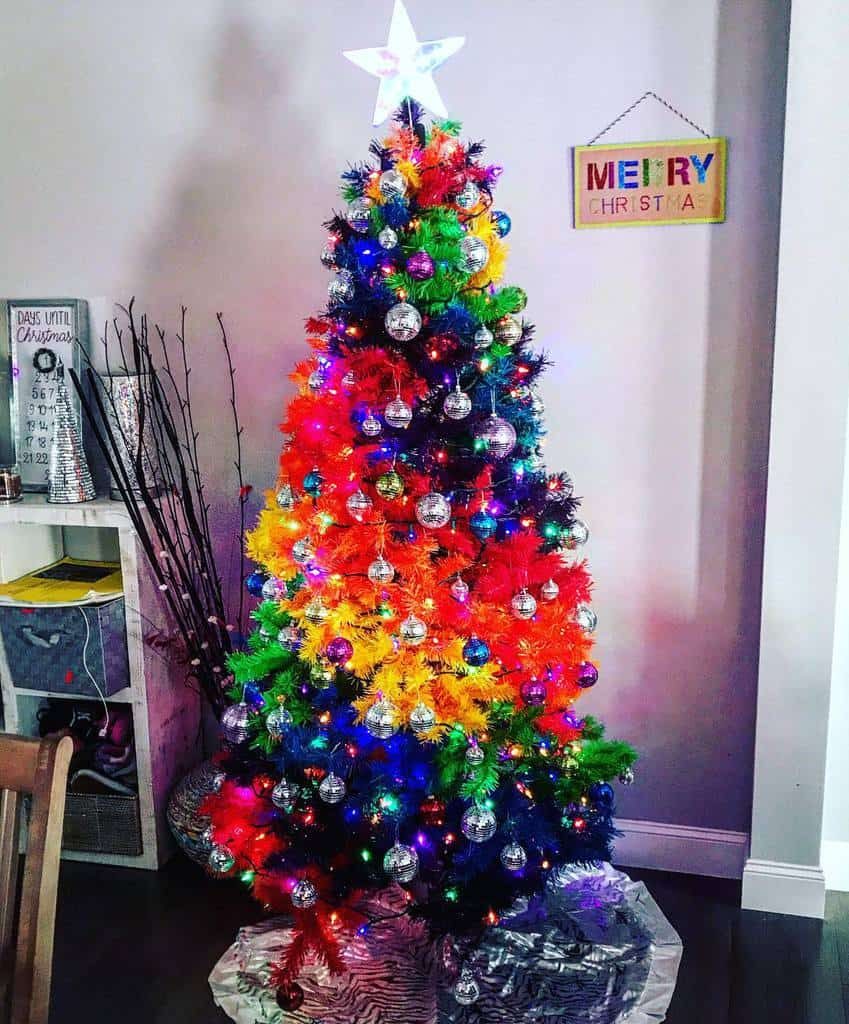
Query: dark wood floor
(133,947)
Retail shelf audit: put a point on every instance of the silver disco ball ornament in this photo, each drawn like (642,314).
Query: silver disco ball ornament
(221,860)
(284,795)
(460,590)
(341,288)
(586,618)
(513,857)
(357,214)
(478,824)
(328,256)
(392,184)
(389,485)
(403,321)
(332,789)
(466,989)
(577,535)
(524,604)
(412,631)
(304,895)
(235,723)
(387,238)
(285,497)
(381,719)
(290,637)
(497,435)
(422,718)
(469,196)
(381,571)
(316,380)
(475,756)
(401,863)
(433,510)
(398,414)
(349,380)
(371,426)
(316,612)
(273,589)
(474,253)
(457,404)
(626,777)
(508,330)
(302,551)
(278,722)
(483,337)
(549,591)
(359,504)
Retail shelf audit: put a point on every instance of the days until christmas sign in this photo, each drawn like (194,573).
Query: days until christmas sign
(645,183)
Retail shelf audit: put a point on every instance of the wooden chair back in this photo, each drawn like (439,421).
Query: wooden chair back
(38,768)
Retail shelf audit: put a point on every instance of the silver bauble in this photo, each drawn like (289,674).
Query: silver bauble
(549,591)
(316,380)
(235,722)
(403,322)
(381,571)
(302,551)
(322,674)
(341,288)
(221,860)
(433,510)
(381,719)
(474,253)
(401,863)
(272,589)
(469,197)
(524,605)
(626,776)
(392,184)
(389,485)
(412,631)
(460,590)
(466,989)
(332,789)
(397,413)
(290,637)
(278,722)
(479,824)
(357,214)
(284,795)
(387,238)
(475,755)
(371,426)
(349,379)
(483,337)
(304,895)
(457,404)
(577,535)
(513,857)
(285,497)
(359,504)
(422,718)
(508,330)
(316,612)
(328,256)
(498,436)
(586,618)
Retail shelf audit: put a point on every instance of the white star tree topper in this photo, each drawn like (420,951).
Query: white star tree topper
(405,66)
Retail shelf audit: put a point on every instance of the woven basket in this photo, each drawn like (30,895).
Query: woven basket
(102,823)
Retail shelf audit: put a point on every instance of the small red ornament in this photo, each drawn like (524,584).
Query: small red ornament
(290,996)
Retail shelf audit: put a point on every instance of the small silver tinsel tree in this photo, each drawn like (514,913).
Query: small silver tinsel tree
(69,478)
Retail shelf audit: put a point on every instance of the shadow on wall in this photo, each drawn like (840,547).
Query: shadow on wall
(715,647)
(223,243)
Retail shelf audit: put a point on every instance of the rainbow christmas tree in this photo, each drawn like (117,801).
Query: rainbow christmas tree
(405,712)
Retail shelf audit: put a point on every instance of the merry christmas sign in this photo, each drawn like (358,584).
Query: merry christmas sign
(644,183)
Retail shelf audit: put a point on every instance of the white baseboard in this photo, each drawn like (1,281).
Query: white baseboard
(683,848)
(797,889)
(835,864)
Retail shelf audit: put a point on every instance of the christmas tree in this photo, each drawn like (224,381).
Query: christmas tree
(405,709)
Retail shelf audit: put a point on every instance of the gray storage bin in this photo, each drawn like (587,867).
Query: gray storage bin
(45,643)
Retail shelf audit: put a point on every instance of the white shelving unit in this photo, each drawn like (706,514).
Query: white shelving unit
(166,711)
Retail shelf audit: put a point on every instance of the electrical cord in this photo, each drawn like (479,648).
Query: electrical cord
(105,730)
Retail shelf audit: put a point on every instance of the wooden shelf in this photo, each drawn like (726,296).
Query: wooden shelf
(35,508)
(124,696)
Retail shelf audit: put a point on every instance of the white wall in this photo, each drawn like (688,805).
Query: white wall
(189,152)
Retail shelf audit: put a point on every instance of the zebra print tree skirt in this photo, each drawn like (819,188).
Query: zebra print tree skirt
(595,948)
